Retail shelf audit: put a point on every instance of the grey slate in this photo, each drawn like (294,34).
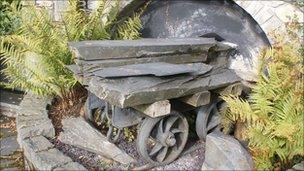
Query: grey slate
(156,69)
(223,152)
(47,160)
(109,49)
(79,133)
(133,91)
(37,144)
(8,145)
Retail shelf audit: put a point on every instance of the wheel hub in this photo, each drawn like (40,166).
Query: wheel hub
(170,140)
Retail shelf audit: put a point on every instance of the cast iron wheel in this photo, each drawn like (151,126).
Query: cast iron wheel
(161,140)
(208,119)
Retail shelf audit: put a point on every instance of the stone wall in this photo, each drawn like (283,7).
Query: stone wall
(269,14)
(34,130)
(56,7)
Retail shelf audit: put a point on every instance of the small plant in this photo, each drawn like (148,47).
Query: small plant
(36,54)
(274,112)
(8,21)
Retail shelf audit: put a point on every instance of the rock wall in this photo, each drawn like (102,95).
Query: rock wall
(269,14)
(272,15)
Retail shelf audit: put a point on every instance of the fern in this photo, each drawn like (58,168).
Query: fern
(274,111)
(35,55)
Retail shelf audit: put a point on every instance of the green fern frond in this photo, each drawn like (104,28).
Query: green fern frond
(274,111)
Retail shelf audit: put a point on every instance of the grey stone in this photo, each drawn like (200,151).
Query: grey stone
(158,69)
(47,160)
(36,144)
(31,111)
(223,152)
(40,128)
(70,166)
(8,145)
(79,133)
(299,166)
(26,121)
(133,91)
(113,49)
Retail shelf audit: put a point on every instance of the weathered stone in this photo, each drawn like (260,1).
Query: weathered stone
(43,128)
(46,160)
(77,132)
(159,69)
(271,15)
(223,152)
(299,166)
(8,145)
(36,144)
(97,50)
(197,99)
(71,166)
(26,121)
(133,91)
(26,111)
(155,109)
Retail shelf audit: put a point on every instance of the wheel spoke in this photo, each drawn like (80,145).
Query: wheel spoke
(162,154)
(160,130)
(176,130)
(169,123)
(161,127)
(215,121)
(155,149)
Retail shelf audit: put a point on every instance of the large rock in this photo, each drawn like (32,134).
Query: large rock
(8,145)
(79,133)
(223,152)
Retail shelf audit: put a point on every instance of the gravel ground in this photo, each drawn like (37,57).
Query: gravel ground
(191,161)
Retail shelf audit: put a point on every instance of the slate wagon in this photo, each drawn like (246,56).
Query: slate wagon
(155,83)
(177,70)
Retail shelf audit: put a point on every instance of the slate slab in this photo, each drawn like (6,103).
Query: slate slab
(47,160)
(79,133)
(157,69)
(36,144)
(44,128)
(223,152)
(133,91)
(109,49)
(8,145)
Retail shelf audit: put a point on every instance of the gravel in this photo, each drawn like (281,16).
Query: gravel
(191,161)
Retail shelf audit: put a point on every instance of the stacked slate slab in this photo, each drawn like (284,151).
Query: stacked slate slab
(128,73)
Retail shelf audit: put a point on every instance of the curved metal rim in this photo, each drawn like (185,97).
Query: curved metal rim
(203,116)
(145,131)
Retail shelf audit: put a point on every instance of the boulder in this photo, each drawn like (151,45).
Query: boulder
(299,166)
(79,133)
(223,152)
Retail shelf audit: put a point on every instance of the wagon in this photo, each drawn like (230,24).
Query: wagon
(159,81)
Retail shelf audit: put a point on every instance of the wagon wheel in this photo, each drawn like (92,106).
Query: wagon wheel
(161,140)
(208,119)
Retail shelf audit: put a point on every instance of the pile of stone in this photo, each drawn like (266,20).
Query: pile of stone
(130,73)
